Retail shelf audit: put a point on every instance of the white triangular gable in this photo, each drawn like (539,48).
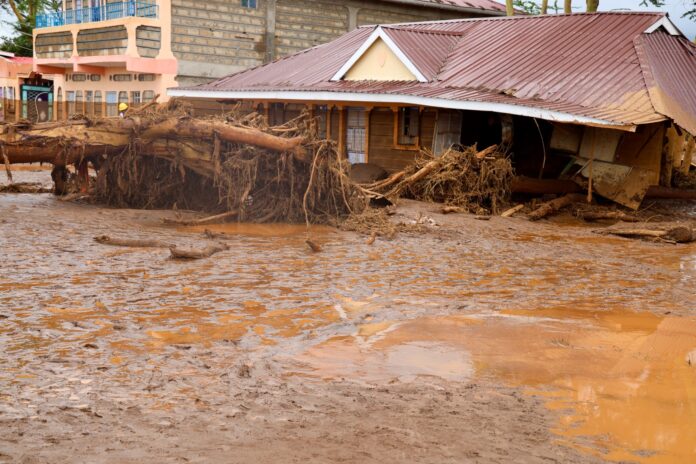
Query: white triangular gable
(379,58)
(666,24)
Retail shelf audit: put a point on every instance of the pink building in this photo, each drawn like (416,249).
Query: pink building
(100,53)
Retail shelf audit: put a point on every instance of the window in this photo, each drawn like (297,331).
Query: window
(356,134)
(122,77)
(148,96)
(89,99)
(70,97)
(408,126)
(79,77)
(111,104)
(98,103)
(60,103)
(249,4)
(94,77)
(146,77)
(123,97)
(135,97)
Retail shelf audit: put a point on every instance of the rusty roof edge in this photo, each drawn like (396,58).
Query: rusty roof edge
(449,7)
(401,98)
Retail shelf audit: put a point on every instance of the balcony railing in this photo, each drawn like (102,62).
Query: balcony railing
(99,13)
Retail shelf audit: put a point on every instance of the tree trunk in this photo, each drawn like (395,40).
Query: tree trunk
(567,6)
(592,6)
(544,6)
(509,10)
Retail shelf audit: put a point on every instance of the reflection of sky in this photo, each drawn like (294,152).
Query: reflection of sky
(675,8)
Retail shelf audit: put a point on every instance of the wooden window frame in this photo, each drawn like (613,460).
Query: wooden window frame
(397,129)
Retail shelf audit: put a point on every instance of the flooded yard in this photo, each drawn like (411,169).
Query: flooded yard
(482,341)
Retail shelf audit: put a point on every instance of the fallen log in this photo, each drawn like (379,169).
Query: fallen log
(552,206)
(191,253)
(512,210)
(677,234)
(606,215)
(668,193)
(199,222)
(130,242)
(201,130)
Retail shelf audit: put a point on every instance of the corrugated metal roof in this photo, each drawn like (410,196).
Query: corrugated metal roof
(489,5)
(584,64)
(669,65)
(426,50)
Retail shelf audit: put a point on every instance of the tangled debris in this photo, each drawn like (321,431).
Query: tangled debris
(475,181)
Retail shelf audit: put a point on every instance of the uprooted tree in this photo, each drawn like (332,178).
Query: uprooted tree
(163,158)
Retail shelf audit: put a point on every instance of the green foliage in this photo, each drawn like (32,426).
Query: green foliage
(25,12)
(528,6)
(690,14)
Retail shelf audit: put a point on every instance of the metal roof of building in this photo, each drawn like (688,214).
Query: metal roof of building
(487,5)
(601,66)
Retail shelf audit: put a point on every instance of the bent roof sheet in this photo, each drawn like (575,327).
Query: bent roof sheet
(587,64)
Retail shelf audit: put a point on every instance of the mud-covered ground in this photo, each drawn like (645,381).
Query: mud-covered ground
(479,341)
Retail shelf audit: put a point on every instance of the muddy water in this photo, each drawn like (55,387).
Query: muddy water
(599,328)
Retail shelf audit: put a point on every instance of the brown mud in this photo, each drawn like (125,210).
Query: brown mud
(480,341)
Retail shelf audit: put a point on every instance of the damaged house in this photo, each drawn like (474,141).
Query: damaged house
(607,100)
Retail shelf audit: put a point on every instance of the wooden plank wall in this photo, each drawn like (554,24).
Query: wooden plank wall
(381,143)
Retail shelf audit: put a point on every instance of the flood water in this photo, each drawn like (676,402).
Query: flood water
(599,328)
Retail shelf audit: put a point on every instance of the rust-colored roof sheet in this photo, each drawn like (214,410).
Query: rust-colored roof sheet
(579,64)
(669,67)
(489,5)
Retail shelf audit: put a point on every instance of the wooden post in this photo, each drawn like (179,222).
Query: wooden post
(329,110)
(688,154)
(367,134)
(342,131)
(592,154)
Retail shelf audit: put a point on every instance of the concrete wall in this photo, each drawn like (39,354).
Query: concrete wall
(224,37)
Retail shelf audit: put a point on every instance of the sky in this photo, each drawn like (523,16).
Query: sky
(675,8)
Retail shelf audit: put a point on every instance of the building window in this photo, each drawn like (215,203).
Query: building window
(111,104)
(59,98)
(148,96)
(95,77)
(135,97)
(249,4)
(122,77)
(89,100)
(70,97)
(98,103)
(408,126)
(146,77)
(79,77)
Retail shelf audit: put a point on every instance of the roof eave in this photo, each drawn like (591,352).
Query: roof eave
(459,9)
(389,98)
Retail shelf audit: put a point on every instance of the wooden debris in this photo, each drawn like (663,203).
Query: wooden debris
(130,242)
(372,238)
(606,215)
(6,160)
(673,234)
(450,209)
(512,210)
(191,253)
(550,207)
(313,246)
(198,222)
(25,187)
(482,218)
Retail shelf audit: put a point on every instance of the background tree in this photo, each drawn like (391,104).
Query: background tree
(24,12)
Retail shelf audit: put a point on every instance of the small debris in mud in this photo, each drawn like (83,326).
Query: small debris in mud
(25,187)
(313,246)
